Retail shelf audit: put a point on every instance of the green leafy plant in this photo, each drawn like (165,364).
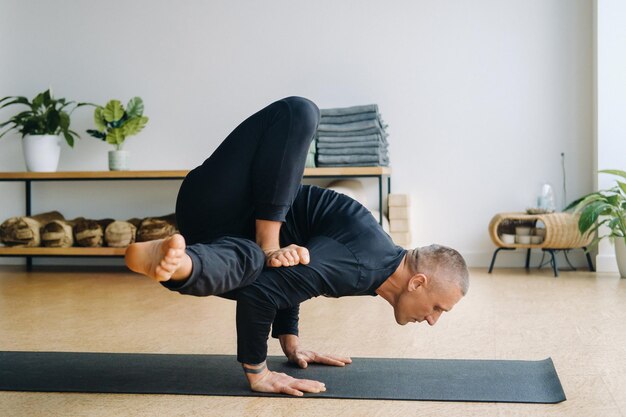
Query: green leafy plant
(114,123)
(604,207)
(45,116)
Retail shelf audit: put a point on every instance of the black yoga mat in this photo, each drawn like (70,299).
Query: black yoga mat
(365,378)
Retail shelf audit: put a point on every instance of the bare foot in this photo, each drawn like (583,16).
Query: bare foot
(161,259)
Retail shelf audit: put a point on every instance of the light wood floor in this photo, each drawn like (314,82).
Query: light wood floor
(578,319)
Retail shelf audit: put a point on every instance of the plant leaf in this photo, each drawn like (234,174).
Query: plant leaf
(97,134)
(134,107)
(69,139)
(135,125)
(622,186)
(53,120)
(617,172)
(587,200)
(17,100)
(64,120)
(115,136)
(113,111)
(590,214)
(98,118)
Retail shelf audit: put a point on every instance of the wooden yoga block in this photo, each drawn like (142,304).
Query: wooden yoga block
(400,225)
(120,234)
(401,239)
(398,212)
(90,233)
(399,200)
(26,231)
(153,228)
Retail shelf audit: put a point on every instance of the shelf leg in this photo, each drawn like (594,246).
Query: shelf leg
(527,258)
(28,198)
(29,259)
(380,198)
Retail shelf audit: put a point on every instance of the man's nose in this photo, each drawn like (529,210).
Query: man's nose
(432,319)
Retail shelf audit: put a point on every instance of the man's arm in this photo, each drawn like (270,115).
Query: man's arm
(254,317)
(286,322)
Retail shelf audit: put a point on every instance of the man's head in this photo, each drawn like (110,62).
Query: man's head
(438,280)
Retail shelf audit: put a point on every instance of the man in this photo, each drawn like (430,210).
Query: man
(313,241)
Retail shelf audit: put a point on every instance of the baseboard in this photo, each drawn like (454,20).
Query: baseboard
(606,263)
(517,259)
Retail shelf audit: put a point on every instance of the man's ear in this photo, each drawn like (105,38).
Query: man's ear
(416,281)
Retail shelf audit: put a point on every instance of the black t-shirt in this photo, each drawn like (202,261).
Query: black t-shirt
(350,255)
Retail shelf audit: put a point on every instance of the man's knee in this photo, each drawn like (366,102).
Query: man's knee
(304,113)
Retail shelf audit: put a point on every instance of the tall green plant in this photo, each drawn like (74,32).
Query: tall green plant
(114,123)
(45,116)
(603,208)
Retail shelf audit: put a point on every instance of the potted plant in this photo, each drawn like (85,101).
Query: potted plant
(41,126)
(114,124)
(606,208)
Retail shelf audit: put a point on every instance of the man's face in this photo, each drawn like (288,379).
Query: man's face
(422,302)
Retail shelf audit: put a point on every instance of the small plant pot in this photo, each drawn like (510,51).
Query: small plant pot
(118,160)
(41,152)
(620,255)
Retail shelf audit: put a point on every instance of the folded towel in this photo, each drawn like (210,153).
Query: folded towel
(372,150)
(347,118)
(369,131)
(348,145)
(354,164)
(352,159)
(339,111)
(356,137)
(352,126)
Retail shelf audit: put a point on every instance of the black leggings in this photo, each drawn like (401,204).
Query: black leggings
(254,174)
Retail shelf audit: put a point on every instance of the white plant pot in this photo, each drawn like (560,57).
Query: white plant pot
(620,255)
(118,160)
(41,152)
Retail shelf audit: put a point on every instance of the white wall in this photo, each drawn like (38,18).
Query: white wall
(481,97)
(611,104)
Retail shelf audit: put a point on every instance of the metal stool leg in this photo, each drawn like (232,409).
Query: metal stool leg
(555,266)
(591,267)
(493,259)
(527,258)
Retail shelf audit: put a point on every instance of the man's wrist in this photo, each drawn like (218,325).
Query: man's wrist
(289,343)
(255,372)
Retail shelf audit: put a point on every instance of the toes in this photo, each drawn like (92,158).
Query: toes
(162,274)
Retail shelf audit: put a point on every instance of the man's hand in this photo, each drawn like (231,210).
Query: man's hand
(295,354)
(288,256)
(261,379)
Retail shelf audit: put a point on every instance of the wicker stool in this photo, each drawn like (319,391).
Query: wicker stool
(561,233)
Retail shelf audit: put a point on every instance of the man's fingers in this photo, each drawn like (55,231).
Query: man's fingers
(308,385)
(302,363)
(291,391)
(326,360)
(343,359)
(303,253)
(274,262)
(290,258)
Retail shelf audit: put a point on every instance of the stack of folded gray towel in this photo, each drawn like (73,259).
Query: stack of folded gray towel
(352,136)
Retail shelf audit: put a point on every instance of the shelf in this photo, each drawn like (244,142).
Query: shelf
(174,174)
(73,251)
(380,173)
